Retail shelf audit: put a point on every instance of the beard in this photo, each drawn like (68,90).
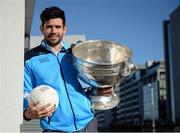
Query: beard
(51,42)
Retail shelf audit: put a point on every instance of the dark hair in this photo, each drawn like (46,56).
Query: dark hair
(52,12)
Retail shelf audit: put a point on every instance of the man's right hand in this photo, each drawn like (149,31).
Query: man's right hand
(36,111)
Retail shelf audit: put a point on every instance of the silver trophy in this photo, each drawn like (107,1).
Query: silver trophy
(102,64)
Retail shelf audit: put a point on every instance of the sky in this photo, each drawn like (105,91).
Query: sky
(137,24)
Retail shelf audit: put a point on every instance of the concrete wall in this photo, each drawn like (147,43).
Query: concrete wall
(12,14)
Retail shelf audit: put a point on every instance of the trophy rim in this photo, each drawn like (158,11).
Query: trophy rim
(98,63)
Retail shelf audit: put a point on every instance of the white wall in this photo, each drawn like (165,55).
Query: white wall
(12,14)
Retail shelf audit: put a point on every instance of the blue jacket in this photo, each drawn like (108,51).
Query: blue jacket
(43,67)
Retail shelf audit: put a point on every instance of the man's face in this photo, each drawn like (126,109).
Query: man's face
(53,31)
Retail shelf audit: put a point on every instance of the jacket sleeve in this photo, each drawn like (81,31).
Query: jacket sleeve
(28,83)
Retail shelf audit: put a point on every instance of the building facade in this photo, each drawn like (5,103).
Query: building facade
(172,48)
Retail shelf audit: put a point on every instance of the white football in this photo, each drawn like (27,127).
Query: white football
(44,94)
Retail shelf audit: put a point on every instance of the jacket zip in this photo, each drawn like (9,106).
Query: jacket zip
(67,92)
(49,118)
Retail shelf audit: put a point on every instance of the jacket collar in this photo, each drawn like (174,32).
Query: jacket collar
(45,45)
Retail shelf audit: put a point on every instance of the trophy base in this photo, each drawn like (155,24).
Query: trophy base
(104,102)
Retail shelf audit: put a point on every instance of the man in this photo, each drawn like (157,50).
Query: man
(51,64)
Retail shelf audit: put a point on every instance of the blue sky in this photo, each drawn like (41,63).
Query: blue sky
(137,24)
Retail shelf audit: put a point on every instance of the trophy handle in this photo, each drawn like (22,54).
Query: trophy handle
(74,44)
(129,68)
